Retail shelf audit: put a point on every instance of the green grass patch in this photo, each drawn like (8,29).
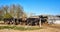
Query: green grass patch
(18,28)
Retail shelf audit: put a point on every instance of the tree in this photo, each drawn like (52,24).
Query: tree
(5,11)
(7,15)
(19,11)
(12,10)
(1,14)
(5,8)
(16,11)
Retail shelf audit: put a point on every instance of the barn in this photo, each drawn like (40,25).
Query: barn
(53,19)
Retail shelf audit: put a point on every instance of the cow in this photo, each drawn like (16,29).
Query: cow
(8,20)
(32,21)
(19,21)
(35,21)
(43,19)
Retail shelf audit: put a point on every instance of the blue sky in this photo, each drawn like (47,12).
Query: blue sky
(36,6)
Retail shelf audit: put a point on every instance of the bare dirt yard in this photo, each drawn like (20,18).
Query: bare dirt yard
(45,28)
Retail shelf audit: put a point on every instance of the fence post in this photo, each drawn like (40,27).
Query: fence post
(40,23)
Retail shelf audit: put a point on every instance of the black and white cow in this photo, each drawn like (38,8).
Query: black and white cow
(35,21)
(17,21)
(8,20)
(32,21)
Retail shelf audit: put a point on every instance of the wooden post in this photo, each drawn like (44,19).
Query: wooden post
(40,23)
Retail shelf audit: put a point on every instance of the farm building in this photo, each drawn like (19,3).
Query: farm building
(53,20)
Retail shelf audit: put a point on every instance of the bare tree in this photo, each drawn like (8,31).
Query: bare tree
(16,10)
(5,9)
(19,11)
(12,10)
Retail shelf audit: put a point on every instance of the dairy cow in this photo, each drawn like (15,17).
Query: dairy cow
(32,21)
(8,20)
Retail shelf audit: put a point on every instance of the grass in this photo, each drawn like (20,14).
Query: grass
(18,28)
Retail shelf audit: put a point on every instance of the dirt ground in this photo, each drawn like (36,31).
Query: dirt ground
(41,30)
(45,29)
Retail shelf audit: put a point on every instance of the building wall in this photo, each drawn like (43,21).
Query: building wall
(57,22)
(53,20)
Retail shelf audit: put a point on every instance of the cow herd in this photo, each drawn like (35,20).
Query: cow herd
(26,21)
